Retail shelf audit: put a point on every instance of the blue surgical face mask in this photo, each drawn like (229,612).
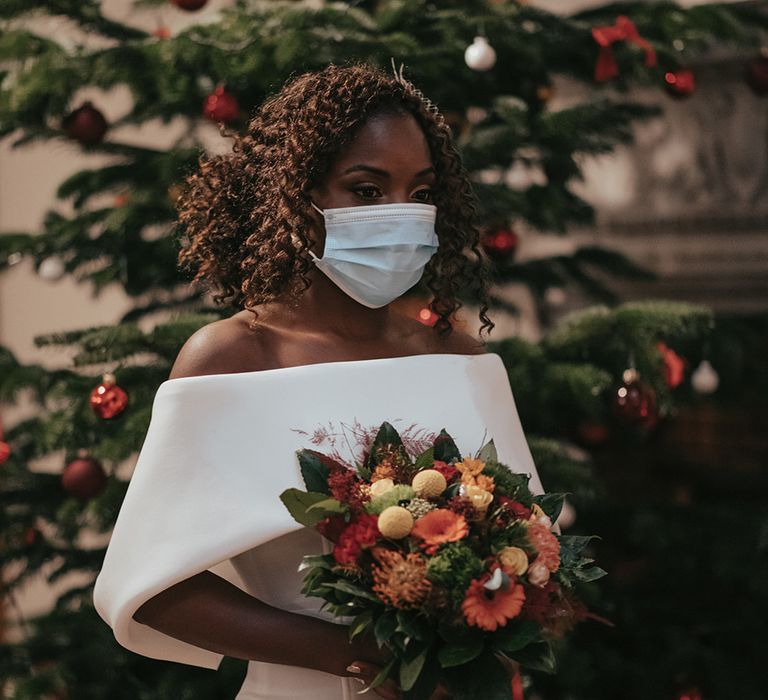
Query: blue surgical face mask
(375,253)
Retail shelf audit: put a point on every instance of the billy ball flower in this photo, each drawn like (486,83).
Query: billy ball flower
(395,522)
(429,483)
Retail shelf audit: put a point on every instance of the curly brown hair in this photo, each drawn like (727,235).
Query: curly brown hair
(241,212)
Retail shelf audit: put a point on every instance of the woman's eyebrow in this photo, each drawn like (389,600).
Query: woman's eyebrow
(383,173)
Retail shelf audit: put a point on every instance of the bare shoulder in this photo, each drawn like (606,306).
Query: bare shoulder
(456,342)
(216,348)
(465,344)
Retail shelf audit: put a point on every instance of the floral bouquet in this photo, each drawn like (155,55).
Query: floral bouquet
(450,561)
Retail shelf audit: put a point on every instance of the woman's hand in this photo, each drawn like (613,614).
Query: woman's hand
(389,689)
(365,672)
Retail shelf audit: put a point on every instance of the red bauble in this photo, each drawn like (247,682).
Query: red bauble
(500,243)
(756,74)
(5,451)
(84,478)
(680,83)
(674,365)
(86,124)
(221,106)
(635,402)
(592,432)
(108,399)
(190,5)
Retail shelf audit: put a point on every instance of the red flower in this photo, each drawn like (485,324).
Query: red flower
(345,487)
(360,534)
(438,527)
(517,509)
(331,527)
(447,470)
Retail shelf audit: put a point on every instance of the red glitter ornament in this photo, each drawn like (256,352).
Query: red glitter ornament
(221,106)
(86,124)
(189,5)
(635,402)
(680,83)
(756,73)
(84,477)
(108,399)
(500,243)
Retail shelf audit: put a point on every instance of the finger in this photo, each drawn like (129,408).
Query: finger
(366,672)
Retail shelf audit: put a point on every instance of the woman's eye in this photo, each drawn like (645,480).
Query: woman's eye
(428,194)
(366,192)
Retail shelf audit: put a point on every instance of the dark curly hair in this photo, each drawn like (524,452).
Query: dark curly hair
(241,212)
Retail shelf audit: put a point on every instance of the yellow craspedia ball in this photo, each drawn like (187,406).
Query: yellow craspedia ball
(395,522)
(429,483)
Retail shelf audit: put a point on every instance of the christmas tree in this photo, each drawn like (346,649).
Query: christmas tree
(604,380)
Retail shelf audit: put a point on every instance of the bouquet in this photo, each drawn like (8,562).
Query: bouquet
(450,561)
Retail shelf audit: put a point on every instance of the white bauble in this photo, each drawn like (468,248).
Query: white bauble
(480,55)
(704,378)
(567,515)
(51,269)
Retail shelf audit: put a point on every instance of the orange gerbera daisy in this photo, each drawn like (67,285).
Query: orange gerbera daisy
(491,609)
(438,527)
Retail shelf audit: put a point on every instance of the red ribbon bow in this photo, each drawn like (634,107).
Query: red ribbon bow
(623,29)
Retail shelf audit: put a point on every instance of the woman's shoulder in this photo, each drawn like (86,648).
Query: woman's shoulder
(219,347)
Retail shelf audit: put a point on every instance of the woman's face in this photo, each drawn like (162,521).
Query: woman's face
(387,162)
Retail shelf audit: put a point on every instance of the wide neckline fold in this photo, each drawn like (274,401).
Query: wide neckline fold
(305,367)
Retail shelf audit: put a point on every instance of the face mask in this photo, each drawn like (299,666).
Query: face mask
(375,253)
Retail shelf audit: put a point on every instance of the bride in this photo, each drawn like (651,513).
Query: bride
(344,191)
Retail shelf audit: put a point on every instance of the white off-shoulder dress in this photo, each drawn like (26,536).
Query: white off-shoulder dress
(220,449)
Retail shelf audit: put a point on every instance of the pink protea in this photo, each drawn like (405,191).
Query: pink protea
(546,544)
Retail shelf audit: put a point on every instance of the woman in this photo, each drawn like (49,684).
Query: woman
(344,190)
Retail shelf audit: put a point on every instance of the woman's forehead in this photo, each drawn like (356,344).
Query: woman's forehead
(392,139)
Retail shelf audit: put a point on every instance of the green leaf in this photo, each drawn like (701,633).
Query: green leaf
(445,448)
(537,657)
(360,624)
(382,675)
(425,459)
(387,435)
(591,574)
(516,636)
(488,452)
(411,668)
(352,589)
(313,471)
(298,503)
(485,678)
(551,504)
(329,505)
(385,627)
(461,651)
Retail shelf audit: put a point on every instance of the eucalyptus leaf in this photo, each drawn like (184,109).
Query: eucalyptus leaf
(298,503)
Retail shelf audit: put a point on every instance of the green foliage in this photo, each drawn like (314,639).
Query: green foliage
(398,493)
(454,567)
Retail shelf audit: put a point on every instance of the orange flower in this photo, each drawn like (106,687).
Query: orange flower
(470,467)
(438,527)
(491,609)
